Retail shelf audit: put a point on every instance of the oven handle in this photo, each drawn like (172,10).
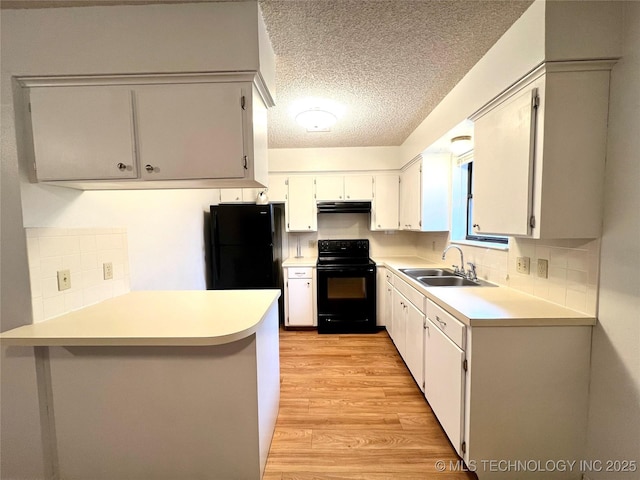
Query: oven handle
(343,269)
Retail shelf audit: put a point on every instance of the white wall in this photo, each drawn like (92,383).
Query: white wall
(614,416)
(333,159)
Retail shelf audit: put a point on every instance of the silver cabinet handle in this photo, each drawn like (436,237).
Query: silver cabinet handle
(441,322)
(121,166)
(148,168)
(299,273)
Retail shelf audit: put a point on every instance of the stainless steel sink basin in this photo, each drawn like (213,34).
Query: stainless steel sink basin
(443,281)
(427,272)
(442,277)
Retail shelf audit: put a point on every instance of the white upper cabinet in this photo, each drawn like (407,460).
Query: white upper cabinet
(277,190)
(128,132)
(358,187)
(239,195)
(539,154)
(301,212)
(329,188)
(504,142)
(191,131)
(385,208)
(82,133)
(425,194)
(344,188)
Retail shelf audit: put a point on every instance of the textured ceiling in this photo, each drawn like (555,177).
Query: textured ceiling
(387,62)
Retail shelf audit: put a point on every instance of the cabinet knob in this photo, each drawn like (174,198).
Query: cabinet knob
(378,225)
(348,196)
(476,226)
(121,166)
(148,168)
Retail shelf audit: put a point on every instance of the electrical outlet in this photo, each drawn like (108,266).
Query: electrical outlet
(107,270)
(543,268)
(522,265)
(64,280)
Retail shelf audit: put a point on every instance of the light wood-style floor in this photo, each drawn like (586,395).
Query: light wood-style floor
(350,410)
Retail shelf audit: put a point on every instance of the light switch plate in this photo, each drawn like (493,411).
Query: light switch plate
(522,265)
(64,280)
(543,268)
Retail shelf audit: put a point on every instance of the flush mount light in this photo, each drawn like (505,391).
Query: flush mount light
(316,120)
(461,144)
(316,114)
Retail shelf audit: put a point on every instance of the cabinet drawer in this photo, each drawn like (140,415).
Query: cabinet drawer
(448,324)
(300,272)
(410,293)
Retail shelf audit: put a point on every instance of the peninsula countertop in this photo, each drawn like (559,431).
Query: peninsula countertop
(146,318)
(488,306)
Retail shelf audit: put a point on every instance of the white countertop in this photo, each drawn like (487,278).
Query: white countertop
(206,317)
(300,262)
(488,306)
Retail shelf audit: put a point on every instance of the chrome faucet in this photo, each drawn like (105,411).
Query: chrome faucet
(457,271)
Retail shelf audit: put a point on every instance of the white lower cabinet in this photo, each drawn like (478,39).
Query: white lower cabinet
(414,343)
(407,326)
(398,321)
(444,382)
(300,296)
(511,393)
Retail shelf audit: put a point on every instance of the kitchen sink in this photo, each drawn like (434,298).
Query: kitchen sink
(442,277)
(448,281)
(427,272)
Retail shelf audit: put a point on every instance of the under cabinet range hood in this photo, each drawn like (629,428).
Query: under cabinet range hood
(344,207)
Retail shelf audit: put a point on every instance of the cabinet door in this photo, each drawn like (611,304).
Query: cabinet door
(410,198)
(82,133)
(444,382)
(300,301)
(358,187)
(503,167)
(388,307)
(231,195)
(301,214)
(385,207)
(414,344)
(191,131)
(277,191)
(329,188)
(249,195)
(399,321)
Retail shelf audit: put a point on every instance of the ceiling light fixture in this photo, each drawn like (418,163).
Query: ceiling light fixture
(461,144)
(316,120)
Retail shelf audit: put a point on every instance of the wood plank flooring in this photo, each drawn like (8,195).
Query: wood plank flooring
(350,410)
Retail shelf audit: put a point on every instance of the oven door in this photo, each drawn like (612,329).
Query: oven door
(346,298)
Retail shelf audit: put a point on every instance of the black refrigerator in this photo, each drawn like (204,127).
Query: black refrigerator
(246,248)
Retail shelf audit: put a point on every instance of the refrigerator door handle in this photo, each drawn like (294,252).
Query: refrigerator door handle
(216,248)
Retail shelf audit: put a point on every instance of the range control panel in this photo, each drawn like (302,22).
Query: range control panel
(346,248)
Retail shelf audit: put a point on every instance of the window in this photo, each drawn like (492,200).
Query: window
(462,228)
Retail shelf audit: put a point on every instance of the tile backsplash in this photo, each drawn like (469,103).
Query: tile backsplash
(573,267)
(82,251)
(337,226)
